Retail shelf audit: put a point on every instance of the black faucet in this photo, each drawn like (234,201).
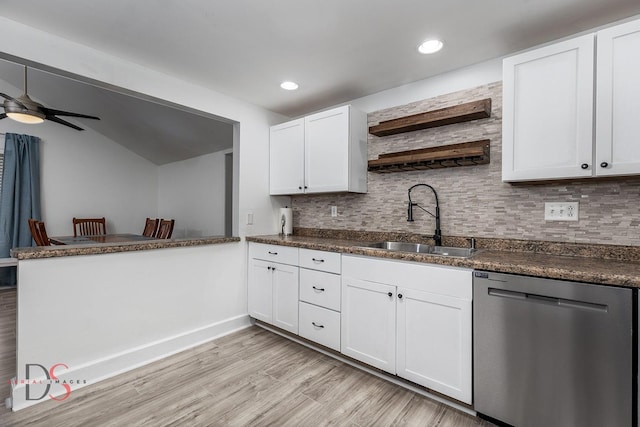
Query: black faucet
(437,235)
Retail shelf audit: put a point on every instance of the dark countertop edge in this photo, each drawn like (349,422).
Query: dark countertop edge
(574,268)
(75,250)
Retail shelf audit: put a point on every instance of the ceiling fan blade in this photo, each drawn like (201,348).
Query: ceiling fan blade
(62,122)
(3,115)
(52,112)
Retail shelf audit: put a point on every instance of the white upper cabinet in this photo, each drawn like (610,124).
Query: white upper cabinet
(550,98)
(321,153)
(286,158)
(547,112)
(618,100)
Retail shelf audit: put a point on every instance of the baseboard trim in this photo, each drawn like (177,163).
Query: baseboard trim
(100,369)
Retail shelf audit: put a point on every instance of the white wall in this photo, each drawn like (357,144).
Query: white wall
(192,191)
(463,78)
(84,174)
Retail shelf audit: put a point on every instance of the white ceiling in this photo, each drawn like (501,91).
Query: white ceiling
(337,50)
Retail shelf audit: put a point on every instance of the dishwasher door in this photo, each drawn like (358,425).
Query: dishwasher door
(552,353)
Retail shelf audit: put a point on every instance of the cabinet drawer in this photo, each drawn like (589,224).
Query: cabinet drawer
(320,325)
(320,260)
(320,288)
(275,253)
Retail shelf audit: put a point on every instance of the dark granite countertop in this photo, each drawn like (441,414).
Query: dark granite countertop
(107,248)
(602,264)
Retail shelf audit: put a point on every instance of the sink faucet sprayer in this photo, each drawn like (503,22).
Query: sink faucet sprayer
(437,235)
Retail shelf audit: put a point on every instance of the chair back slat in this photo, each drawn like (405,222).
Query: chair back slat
(165,229)
(150,227)
(89,226)
(38,232)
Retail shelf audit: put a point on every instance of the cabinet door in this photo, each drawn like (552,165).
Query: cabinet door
(286,158)
(618,100)
(260,295)
(327,151)
(434,342)
(285,297)
(548,112)
(368,323)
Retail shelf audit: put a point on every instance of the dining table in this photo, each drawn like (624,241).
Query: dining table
(99,238)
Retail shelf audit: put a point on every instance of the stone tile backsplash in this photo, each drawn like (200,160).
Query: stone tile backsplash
(473,199)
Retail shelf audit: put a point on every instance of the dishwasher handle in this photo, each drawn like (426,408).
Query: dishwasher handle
(543,299)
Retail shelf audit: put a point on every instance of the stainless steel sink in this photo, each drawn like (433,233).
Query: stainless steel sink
(424,249)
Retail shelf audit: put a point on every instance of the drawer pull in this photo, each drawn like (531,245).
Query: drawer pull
(317,326)
(318,289)
(273,253)
(317,260)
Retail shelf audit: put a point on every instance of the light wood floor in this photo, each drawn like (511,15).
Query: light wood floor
(252,377)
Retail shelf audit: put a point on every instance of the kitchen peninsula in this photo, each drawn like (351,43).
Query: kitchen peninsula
(104,309)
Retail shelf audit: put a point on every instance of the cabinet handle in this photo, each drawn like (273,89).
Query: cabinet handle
(390,294)
(604,164)
(399,296)
(305,187)
(269,268)
(273,253)
(317,326)
(318,289)
(299,187)
(584,166)
(317,260)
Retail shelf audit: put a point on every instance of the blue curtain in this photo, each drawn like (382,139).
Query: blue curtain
(19,196)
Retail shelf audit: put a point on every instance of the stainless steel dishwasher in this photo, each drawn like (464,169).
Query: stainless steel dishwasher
(553,353)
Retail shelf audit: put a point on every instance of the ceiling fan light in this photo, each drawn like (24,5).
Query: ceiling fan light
(25,118)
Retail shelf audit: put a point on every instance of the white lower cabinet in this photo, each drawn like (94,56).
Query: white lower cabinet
(410,319)
(285,297)
(369,323)
(273,287)
(434,342)
(405,318)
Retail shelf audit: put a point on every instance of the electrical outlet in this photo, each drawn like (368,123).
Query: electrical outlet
(334,211)
(561,211)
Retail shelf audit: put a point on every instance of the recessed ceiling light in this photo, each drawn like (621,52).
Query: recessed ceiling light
(289,85)
(430,46)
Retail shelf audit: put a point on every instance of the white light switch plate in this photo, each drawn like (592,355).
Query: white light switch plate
(561,211)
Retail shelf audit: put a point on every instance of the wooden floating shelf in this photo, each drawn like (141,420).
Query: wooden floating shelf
(442,117)
(445,156)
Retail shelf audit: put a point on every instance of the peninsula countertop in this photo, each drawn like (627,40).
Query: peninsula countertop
(106,248)
(599,264)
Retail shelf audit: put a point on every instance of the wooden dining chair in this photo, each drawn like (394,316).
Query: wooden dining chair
(89,226)
(38,232)
(150,227)
(165,229)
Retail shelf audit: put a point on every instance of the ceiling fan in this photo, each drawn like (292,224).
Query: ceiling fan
(25,110)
